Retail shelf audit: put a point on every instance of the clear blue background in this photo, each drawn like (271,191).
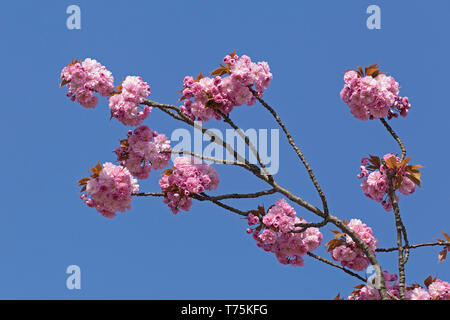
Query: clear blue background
(48,142)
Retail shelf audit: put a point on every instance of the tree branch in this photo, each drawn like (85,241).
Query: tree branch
(395,136)
(401,231)
(296,149)
(414,246)
(336,266)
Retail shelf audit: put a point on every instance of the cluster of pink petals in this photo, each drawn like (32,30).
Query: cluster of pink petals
(376,187)
(277,236)
(438,290)
(203,98)
(186,178)
(349,254)
(85,78)
(125,106)
(111,191)
(373,97)
(141,151)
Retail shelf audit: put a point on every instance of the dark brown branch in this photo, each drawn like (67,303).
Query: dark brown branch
(414,246)
(243,196)
(205,197)
(181,117)
(401,231)
(336,266)
(226,118)
(310,225)
(395,136)
(296,149)
(256,171)
(199,197)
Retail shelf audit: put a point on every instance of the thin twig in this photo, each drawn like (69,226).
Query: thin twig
(310,225)
(395,136)
(414,246)
(400,233)
(336,266)
(226,118)
(199,197)
(256,171)
(243,195)
(296,149)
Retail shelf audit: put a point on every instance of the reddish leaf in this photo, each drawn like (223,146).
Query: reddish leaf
(338,297)
(404,162)
(429,280)
(64,82)
(442,255)
(333,244)
(124,143)
(446,236)
(391,162)
(199,77)
(414,177)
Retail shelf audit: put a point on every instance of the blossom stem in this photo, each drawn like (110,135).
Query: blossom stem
(296,149)
(395,136)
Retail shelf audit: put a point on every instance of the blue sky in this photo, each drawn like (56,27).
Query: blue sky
(149,253)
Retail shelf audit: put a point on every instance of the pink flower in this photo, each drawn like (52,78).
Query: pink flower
(125,104)
(376,185)
(370,97)
(252,220)
(277,236)
(418,294)
(110,190)
(439,290)
(349,254)
(143,150)
(207,97)
(184,179)
(85,78)
(268,236)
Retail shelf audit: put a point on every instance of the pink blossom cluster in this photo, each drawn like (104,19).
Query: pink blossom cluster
(205,98)
(437,290)
(185,178)
(141,151)
(125,104)
(376,185)
(371,97)
(85,78)
(348,253)
(110,191)
(371,293)
(277,236)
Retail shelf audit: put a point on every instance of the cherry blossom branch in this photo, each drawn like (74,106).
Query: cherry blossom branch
(202,157)
(244,196)
(403,251)
(336,266)
(204,197)
(226,118)
(296,149)
(310,225)
(181,117)
(395,136)
(414,246)
(201,197)
(401,231)
(336,221)
(325,214)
